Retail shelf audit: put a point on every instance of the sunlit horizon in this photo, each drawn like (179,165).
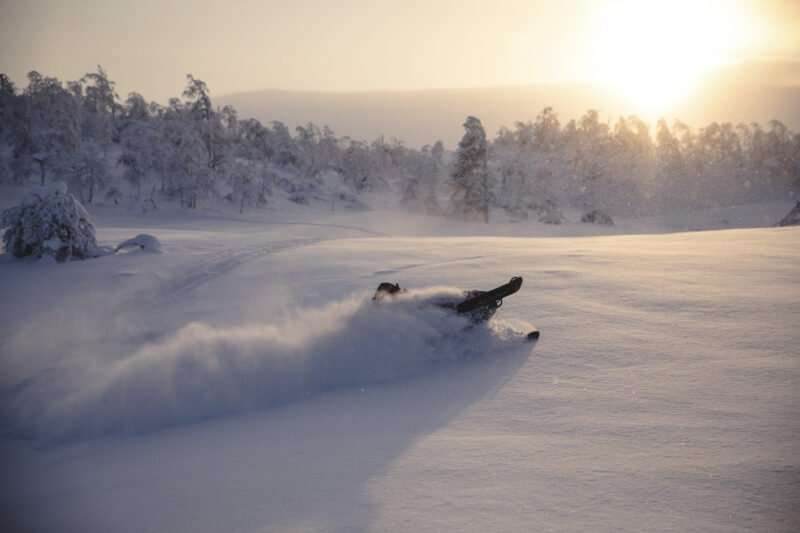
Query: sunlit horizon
(697,62)
(653,53)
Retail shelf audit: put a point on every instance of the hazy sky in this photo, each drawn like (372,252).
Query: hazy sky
(345,45)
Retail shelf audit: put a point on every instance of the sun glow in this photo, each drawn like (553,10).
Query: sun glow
(654,53)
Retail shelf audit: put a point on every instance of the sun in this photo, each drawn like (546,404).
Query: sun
(654,53)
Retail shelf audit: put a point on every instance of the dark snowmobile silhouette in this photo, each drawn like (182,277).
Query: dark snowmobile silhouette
(478,306)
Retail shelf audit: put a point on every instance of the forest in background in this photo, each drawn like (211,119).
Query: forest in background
(189,151)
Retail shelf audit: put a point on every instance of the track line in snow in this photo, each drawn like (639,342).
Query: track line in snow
(259,222)
(338,226)
(222,262)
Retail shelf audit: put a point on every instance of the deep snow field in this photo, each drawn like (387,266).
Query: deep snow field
(242,380)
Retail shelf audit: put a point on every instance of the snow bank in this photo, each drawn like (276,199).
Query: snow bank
(143,241)
(203,372)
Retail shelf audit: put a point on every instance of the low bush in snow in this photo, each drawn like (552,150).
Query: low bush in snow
(597,216)
(49,222)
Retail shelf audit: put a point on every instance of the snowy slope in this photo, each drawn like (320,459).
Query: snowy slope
(140,390)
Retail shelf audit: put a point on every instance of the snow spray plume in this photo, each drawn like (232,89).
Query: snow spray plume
(204,372)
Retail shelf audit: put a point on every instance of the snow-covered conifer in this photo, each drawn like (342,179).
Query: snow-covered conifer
(470,176)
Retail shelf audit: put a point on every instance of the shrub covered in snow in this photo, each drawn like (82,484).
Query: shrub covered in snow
(792,218)
(49,222)
(597,216)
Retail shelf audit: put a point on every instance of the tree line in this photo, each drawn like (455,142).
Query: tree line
(627,168)
(190,150)
(81,132)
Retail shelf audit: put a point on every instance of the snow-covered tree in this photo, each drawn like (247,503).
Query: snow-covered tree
(630,166)
(671,170)
(10,117)
(314,151)
(431,165)
(142,154)
(284,148)
(469,182)
(88,171)
(250,183)
(100,107)
(419,170)
(51,128)
(136,108)
(49,222)
(592,159)
(357,166)
(9,112)
(546,131)
(205,120)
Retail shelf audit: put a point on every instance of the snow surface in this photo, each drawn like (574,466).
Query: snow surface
(242,380)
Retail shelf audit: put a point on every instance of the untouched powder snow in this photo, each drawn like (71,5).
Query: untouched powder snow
(242,380)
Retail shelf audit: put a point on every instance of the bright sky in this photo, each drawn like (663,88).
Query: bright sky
(652,52)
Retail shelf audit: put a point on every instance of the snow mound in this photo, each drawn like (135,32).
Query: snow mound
(143,241)
(203,371)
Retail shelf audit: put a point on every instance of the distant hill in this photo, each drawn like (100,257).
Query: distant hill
(422,117)
(417,117)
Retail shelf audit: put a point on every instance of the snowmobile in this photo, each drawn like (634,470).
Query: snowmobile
(478,306)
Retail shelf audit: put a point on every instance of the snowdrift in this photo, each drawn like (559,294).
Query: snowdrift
(202,371)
